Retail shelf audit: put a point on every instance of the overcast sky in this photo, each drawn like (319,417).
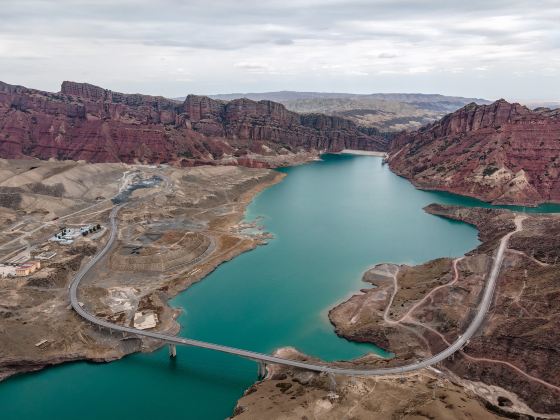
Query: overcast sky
(475,48)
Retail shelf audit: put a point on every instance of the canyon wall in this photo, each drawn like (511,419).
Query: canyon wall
(503,153)
(86,122)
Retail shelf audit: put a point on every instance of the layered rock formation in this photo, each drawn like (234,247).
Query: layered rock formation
(503,153)
(94,124)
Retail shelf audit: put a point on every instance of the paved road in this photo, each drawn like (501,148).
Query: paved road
(265,358)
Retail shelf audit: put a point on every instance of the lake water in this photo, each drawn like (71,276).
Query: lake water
(331,220)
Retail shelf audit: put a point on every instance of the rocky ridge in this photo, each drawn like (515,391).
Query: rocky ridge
(503,153)
(87,122)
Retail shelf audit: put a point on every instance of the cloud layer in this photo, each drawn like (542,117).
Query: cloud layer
(478,48)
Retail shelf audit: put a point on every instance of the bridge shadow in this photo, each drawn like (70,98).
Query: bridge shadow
(224,369)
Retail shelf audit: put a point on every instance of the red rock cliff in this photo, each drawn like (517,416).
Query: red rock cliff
(503,153)
(87,122)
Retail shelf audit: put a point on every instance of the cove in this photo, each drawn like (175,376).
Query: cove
(332,219)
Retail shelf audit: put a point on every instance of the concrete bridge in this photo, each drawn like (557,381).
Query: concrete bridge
(263,359)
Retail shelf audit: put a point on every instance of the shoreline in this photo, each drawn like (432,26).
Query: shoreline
(182,282)
(172,288)
(497,394)
(361,153)
(462,192)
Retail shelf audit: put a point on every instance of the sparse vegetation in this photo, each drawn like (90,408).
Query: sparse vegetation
(56,190)
(489,170)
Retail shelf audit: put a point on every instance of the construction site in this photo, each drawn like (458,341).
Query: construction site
(175,227)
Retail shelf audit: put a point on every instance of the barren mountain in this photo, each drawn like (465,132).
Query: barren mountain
(504,153)
(94,124)
(382,111)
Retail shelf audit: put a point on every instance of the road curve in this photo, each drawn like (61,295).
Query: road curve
(483,307)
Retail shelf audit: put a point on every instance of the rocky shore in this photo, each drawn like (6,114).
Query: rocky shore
(501,153)
(509,367)
(294,394)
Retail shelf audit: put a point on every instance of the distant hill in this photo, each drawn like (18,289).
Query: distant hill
(383,111)
(541,104)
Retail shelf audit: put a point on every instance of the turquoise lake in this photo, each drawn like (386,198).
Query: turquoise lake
(332,219)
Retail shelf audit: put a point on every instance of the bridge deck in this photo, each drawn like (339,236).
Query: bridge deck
(260,357)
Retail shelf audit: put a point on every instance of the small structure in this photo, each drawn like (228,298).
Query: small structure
(23,270)
(27,268)
(41,343)
(144,321)
(66,236)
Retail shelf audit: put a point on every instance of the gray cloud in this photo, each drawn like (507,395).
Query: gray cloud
(293,44)
(387,55)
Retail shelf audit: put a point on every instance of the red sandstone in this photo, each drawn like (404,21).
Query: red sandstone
(86,122)
(503,153)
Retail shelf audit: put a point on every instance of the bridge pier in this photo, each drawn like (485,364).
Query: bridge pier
(172,351)
(262,370)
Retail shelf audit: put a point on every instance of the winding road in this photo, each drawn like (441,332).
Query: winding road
(482,310)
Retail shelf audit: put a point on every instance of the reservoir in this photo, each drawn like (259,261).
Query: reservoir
(331,219)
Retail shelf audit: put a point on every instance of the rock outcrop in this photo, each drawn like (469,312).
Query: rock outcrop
(290,393)
(503,153)
(86,122)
